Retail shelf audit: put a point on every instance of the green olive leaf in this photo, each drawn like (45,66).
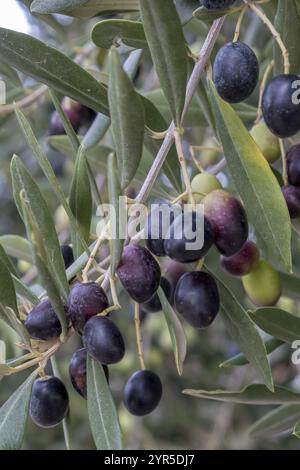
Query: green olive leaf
(127,119)
(257,394)
(204,14)
(89,8)
(168,50)
(115,192)
(287,23)
(23,182)
(176,331)
(276,421)
(81,203)
(101,409)
(254,181)
(278,323)
(107,33)
(47,65)
(54,6)
(17,247)
(13,416)
(7,292)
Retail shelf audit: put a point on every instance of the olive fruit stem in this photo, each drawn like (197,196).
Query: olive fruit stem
(139,340)
(92,256)
(179,198)
(284,165)
(185,174)
(239,24)
(261,91)
(114,294)
(274,32)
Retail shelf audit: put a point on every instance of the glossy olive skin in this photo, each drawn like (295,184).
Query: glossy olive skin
(139,273)
(42,323)
(281,115)
(267,141)
(68,255)
(197,299)
(142,392)
(153,305)
(49,402)
(235,72)
(243,261)
(228,219)
(155,229)
(103,340)
(263,285)
(176,248)
(292,198)
(56,125)
(85,301)
(78,371)
(203,184)
(217,4)
(293,165)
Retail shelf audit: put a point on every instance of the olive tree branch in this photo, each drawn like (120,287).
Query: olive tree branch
(191,89)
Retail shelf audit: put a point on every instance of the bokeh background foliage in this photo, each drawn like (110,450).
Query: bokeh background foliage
(57,182)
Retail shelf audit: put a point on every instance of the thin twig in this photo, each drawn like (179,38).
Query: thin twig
(261,91)
(139,340)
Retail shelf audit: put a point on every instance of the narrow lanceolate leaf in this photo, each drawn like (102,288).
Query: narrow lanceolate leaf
(47,65)
(54,6)
(240,359)
(176,331)
(81,203)
(168,49)
(7,291)
(86,8)
(23,182)
(10,73)
(17,247)
(7,262)
(49,173)
(279,420)
(11,319)
(13,416)
(110,32)
(24,292)
(115,192)
(244,331)
(39,249)
(278,323)
(101,409)
(287,23)
(256,394)
(127,119)
(254,181)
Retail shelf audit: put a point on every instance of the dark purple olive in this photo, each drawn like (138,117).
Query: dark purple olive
(157,226)
(56,125)
(292,198)
(78,371)
(153,305)
(235,72)
(49,402)
(190,237)
(139,273)
(142,392)
(42,323)
(228,219)
(281,105)
(85,301)
(293,165)
(103,340)
(243,261)
(68,255)
(197,299)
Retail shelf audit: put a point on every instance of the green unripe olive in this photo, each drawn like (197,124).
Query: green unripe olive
(203,184)
(268,142)
(263,285)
